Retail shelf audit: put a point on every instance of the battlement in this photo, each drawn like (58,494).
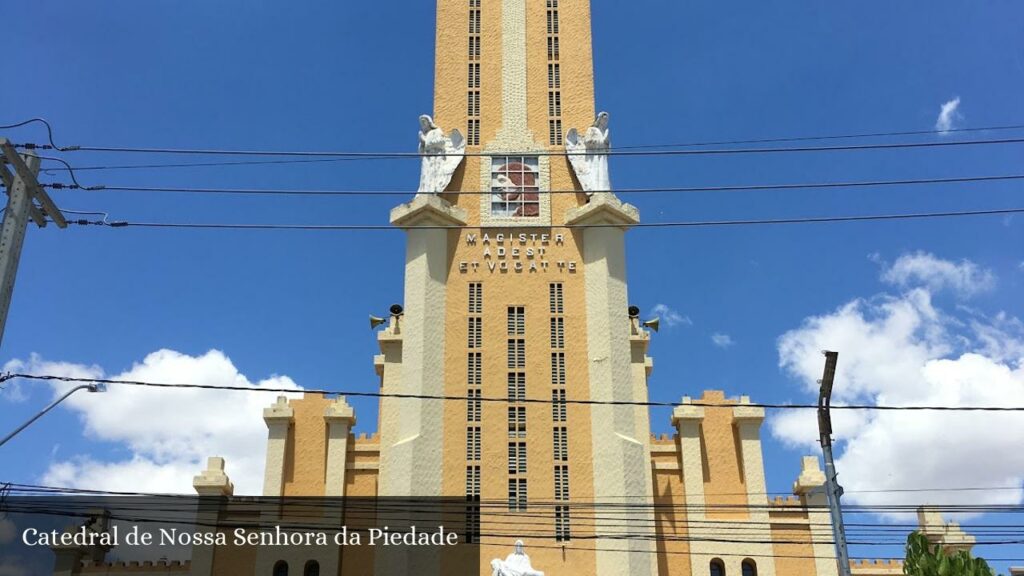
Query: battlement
(146,566)
(369,438)
(664,438)
(878,563)
(787,501)
(714,396)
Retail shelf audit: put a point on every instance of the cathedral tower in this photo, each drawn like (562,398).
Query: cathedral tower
(515,288)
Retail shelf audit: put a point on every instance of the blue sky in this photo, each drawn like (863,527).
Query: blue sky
(355,76)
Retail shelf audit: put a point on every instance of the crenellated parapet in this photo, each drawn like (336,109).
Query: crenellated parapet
(311,447)
(785,502)
(881,567)
(720,474)
(161,567)
(365,438)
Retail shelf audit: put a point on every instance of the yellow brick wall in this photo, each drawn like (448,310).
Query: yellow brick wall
(305,462)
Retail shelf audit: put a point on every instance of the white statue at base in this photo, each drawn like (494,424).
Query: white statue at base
(441,155)
(589,155)
(515,564)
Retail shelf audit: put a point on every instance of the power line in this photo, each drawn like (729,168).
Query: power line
(613,152)
(71,172)
(53,145)
(499,507)
(533,535)
(372,509)
(585,501)
(352,393)
(493,508)
(209,164)
(650,190)
(826,137)
(49,134)
(684,224)
(380,507)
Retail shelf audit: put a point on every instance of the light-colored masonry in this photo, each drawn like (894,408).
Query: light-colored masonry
(700,494)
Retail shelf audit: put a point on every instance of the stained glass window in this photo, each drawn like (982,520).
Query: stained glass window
(515,187)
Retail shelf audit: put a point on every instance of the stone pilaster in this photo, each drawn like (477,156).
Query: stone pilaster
(642,364)
(748,420)
(340,419)
(621,439)
(411,431)
(213,487)
(687,420)
(279,418)
(412,438)
(810,486)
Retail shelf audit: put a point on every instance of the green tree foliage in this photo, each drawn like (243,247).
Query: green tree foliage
(923,559)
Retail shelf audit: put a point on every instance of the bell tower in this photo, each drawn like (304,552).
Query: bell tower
(515,290)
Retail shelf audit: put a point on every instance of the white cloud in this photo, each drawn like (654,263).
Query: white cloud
(670,316)
(949,114)
(902,350)
(923,269)
(11,391)
(722,340)
(997,337)
(169,433)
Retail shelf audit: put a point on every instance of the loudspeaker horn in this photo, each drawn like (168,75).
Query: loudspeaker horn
(653,324)
(376,321)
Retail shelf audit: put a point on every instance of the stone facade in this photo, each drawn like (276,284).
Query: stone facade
(543,299)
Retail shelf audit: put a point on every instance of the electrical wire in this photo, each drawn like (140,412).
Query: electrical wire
(369,509)
(684,224)
(653,190)
(586,501)
(826,137)
(49,134)
(551,153)
(312,508)
(210,164)
(353,393)
(633,147)
(89,213)
(361,514)
(71,172)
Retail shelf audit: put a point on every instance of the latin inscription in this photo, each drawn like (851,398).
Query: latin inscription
(522,252)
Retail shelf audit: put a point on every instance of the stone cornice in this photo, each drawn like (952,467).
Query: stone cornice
(279,412)
(427,210)
(604,208)
(340,412)
(686,411)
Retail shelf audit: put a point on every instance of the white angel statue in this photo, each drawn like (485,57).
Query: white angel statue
(589,155)
(441,155)
(515,564)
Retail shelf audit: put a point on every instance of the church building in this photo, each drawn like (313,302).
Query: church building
(516,304)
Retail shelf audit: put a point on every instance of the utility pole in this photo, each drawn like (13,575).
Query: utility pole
(22,189)
(835,491)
